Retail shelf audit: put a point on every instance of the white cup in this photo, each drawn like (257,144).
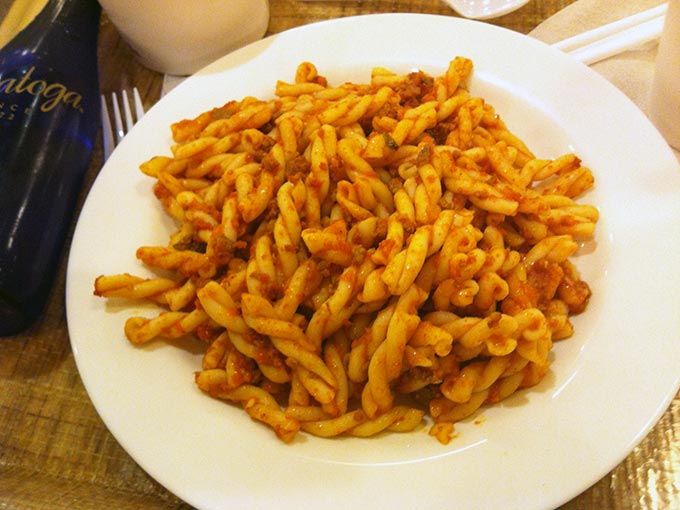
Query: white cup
(664,104)
(182,36)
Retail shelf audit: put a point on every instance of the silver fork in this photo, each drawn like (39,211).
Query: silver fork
(123,118)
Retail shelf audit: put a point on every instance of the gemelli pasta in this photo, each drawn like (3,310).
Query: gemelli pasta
(358,256)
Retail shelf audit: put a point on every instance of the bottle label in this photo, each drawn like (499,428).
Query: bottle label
(49,95)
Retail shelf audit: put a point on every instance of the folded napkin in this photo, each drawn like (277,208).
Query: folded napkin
(631,71)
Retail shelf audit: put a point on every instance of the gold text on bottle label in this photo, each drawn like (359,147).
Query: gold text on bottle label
(52,94)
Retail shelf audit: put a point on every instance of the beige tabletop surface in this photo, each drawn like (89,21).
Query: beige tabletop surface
(55,451)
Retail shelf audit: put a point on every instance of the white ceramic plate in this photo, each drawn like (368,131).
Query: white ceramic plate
(609,383)
(485,9)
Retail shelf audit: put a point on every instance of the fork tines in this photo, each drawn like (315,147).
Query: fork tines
(124,117)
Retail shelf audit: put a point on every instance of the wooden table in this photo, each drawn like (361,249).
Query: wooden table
(56,453)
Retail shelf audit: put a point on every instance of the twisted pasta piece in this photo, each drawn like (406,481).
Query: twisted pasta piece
(185,261)
(335,310)
(288,227)
(403,269)
(133,287)
(253,114)
(261,406)
(386,363)
(140,330)
(322,159)
(254,197)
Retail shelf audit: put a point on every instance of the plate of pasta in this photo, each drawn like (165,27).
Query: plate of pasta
(351,267)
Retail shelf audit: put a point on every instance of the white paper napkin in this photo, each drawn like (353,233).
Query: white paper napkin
(631,71)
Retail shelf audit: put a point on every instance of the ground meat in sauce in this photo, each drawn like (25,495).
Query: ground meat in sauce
(297,169)
(575,293)
(545,277)
(415,88)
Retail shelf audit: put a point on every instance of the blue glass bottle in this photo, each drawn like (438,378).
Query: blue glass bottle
(49,116)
